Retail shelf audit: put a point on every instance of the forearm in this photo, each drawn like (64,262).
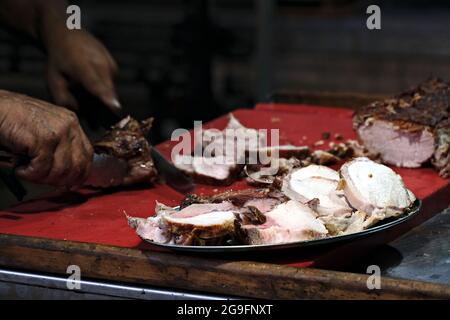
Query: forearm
(39,19)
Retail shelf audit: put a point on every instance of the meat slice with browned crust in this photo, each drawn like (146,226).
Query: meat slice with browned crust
(214,170)
(238,197)
(196,224)
(287,222)
(127,140)
(409,130)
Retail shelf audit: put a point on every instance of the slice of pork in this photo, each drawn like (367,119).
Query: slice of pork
(375,188)
(288,222)
(126,140)
(215,170)
(201,224)
(404,130)
(151,228)
(223,140)
(282,151)
(317,182)
(397,145)
(259,175)
(208,225)
(239,198)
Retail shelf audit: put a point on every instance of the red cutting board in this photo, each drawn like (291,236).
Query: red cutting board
(98,217)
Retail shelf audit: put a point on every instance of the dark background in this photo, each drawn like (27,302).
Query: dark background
(196,59)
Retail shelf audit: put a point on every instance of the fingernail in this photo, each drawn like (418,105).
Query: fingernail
(116,104)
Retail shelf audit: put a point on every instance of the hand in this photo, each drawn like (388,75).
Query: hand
(60,153)
(76,56)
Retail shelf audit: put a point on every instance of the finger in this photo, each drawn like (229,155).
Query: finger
(100,83)
(59,89)
(112,62)
(39,167)
(82,160)
(61,173)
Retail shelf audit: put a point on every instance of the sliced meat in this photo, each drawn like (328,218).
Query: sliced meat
(404,130)
(263,205)
(374,188)
(402,148)
(317,182)
(283,151)
(318,187)
(214,224)
(237,197)
(288,222)
(317,171)
(152,229)
(216,142)
(223,156)
(259,175)
(196,224)
(126,140)
(250,215)
(215,170)
(197,209)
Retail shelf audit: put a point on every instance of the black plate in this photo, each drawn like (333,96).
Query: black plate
(379,227)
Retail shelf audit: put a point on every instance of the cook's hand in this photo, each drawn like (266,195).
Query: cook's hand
(60,153)
(76,56)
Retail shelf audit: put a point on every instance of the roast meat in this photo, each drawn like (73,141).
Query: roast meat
(127,140)
(375,189)
(411,129)
(287,222)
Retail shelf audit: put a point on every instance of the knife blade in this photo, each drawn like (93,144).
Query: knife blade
(106,171)
(171,174)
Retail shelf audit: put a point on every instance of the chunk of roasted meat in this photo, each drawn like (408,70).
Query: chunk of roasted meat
(410,129)
(127,140)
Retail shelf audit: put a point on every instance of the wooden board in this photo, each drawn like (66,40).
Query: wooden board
(236,278)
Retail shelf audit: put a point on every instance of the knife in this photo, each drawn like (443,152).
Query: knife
(106,171)
(171,174)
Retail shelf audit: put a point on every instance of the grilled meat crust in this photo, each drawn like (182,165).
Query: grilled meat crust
(426,105)
(127,140)
(410,129)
